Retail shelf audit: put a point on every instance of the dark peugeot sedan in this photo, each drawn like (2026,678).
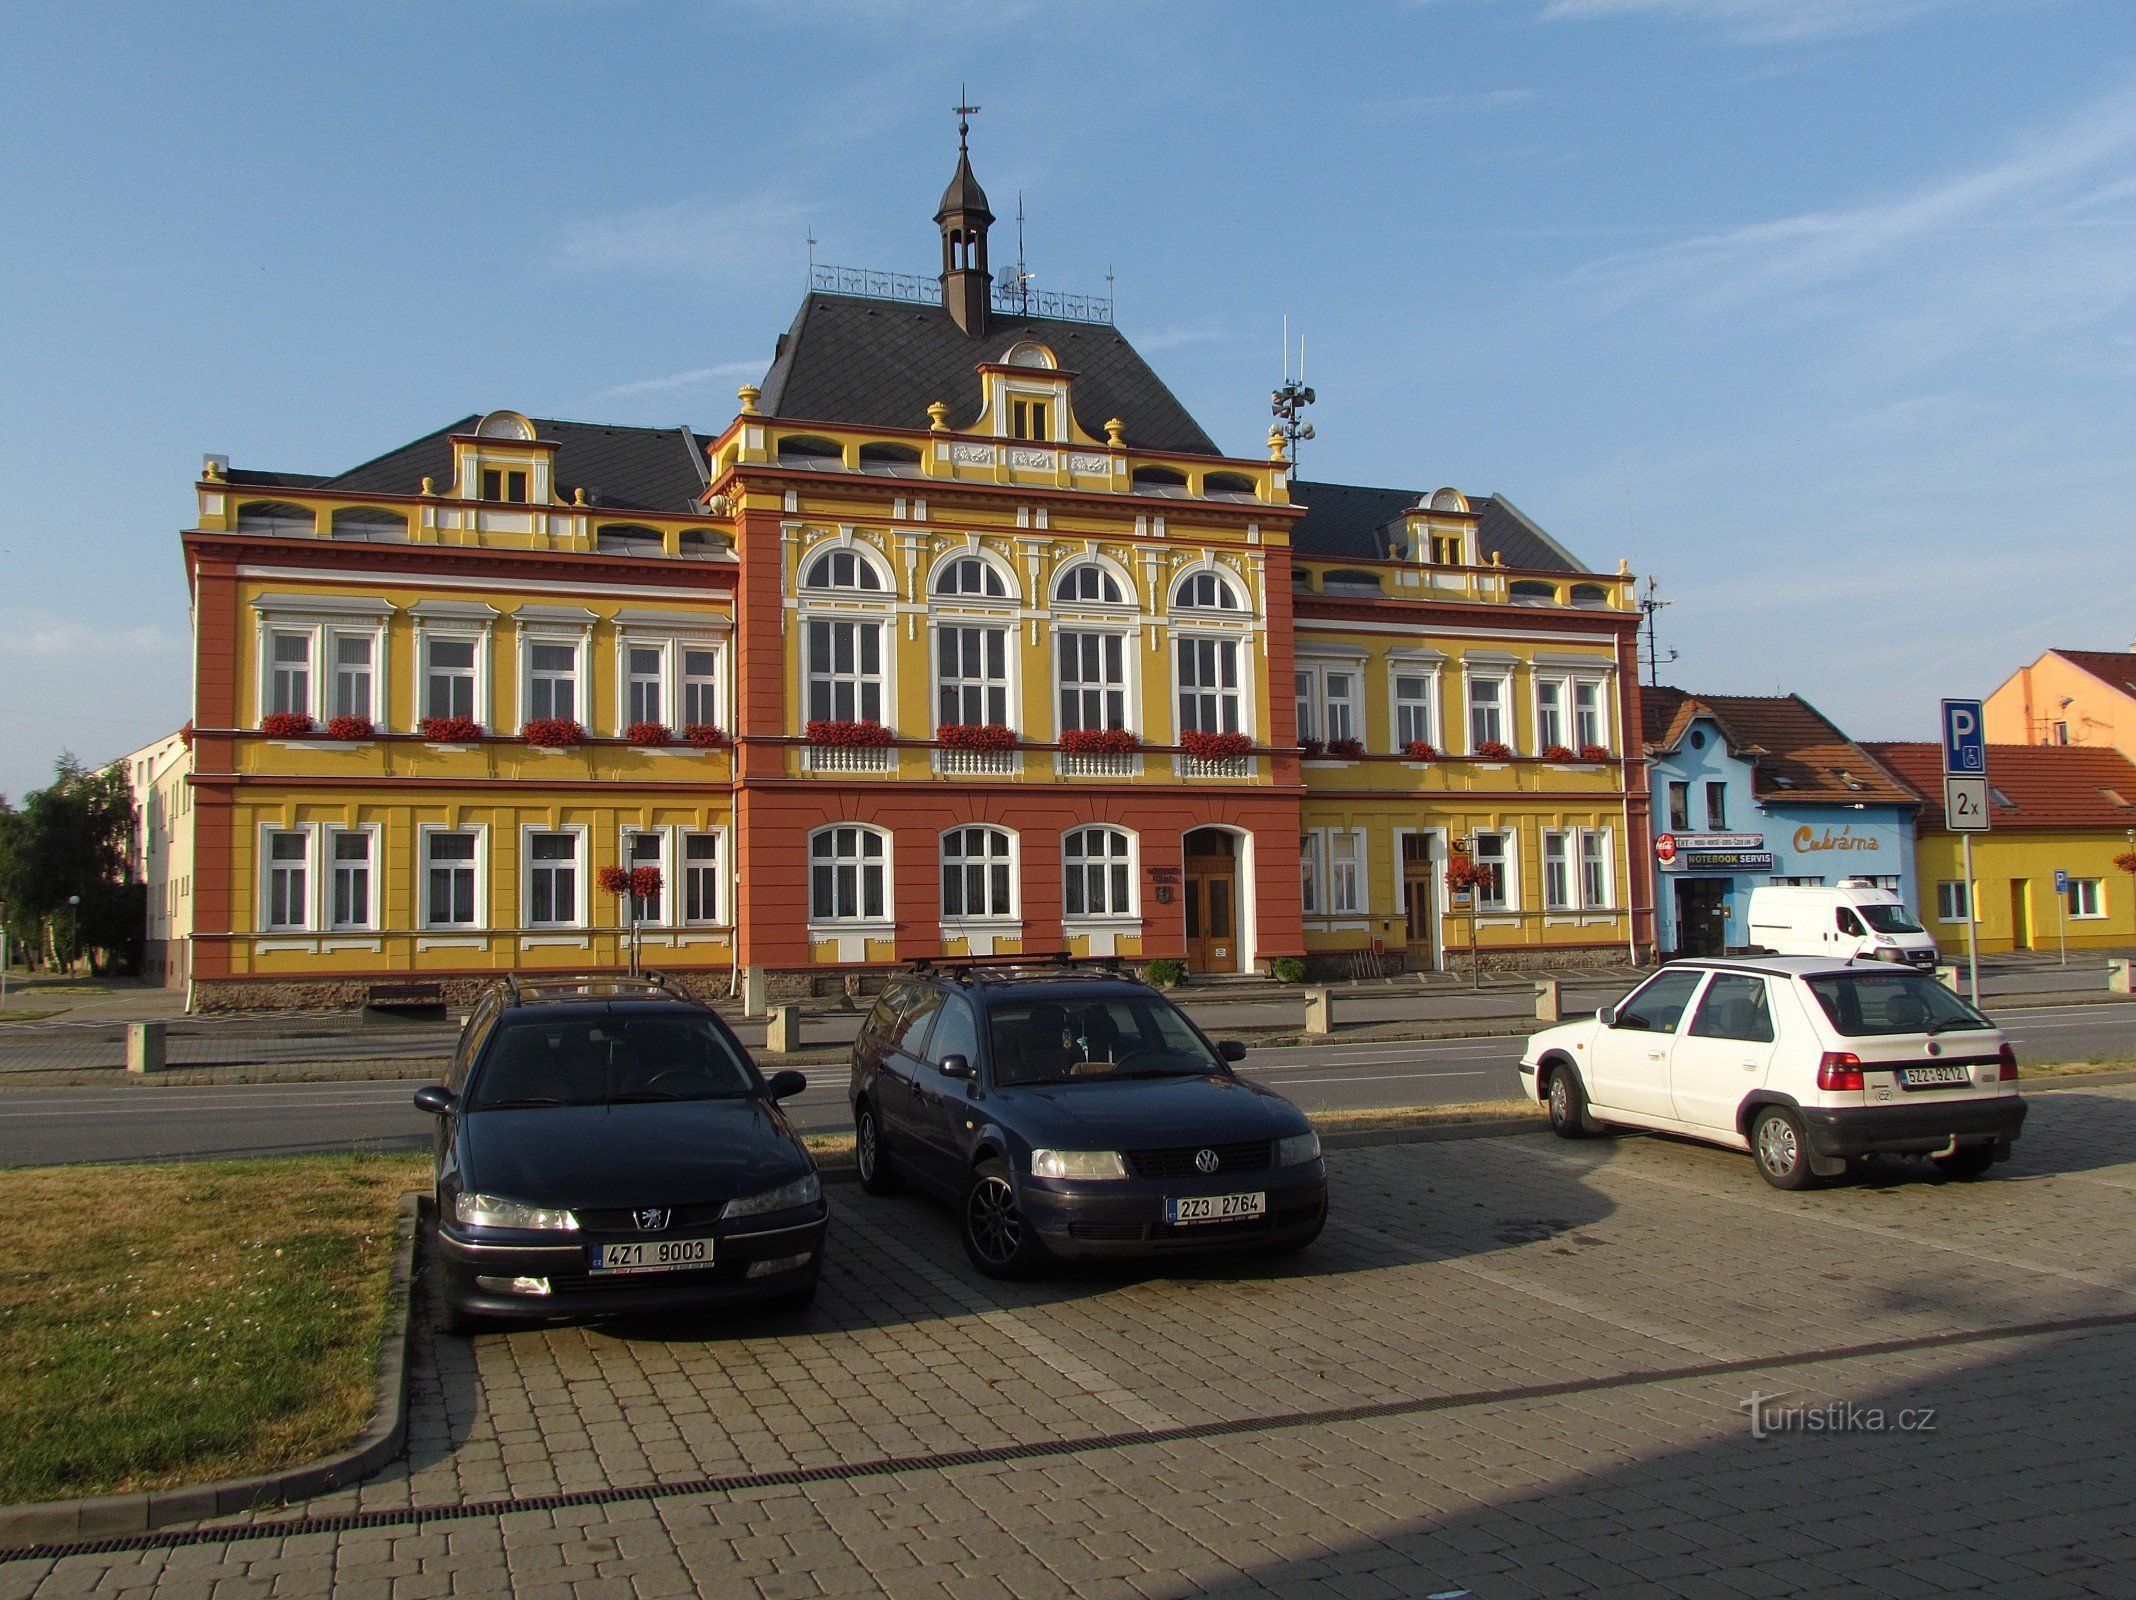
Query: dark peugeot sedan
(605,1146)
(1068,1111)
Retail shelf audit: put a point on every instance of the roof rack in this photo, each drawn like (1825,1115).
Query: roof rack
(1018,968)
(590,986)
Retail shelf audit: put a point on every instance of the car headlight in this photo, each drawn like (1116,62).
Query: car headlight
(803,1191)
(1298,1149)
(494,1211)
(1078,1164)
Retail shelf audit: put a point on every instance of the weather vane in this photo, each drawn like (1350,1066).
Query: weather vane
(965,112)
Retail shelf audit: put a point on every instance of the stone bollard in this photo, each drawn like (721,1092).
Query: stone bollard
(2121,976)
(756,992)
(1947,975)
(1547,996)
(783,1034)
(1319,1013)
(144,1047)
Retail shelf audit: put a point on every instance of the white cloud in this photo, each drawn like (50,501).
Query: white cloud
(1427,104)
(684,380)
(49,638)
(733,240)
(1764,21)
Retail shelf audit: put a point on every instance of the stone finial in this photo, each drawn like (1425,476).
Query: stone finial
(938,417)
(1624,566)
(1115,432)
(749,394)
(429,487)
(578,495)
(211,470)
(1275,444)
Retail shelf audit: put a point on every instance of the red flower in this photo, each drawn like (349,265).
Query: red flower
(1419,750)
(849,735)
(1594,752)
(451,730)
(1347,749)
(1558,752)
(990,736)
(348,727)
(707,736)
(1313,749)
(613,880)
(1099,742)
(185,734)
(553,733)
(1214,746)
(2126,861)
(648,735)
(1462,873)
(285,724)
(1492,750)
(645,882)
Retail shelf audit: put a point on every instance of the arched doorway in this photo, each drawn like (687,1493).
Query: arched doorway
(1215,941)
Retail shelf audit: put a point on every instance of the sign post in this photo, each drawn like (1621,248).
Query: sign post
(2061,906)
(1965,810)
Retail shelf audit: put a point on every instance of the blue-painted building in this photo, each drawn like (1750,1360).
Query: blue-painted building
(1752,789)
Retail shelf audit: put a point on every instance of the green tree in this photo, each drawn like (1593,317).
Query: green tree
(70,840)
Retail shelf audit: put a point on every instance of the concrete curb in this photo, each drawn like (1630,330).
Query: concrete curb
(108,1516)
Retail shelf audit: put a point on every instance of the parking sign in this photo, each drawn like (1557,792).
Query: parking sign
(1965,743)
(2061,881)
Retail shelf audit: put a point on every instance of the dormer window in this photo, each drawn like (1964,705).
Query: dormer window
(1446,550)
(505,483)
(1030,419)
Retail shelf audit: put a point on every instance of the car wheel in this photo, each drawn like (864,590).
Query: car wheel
(1780,1149)
(996,1237)
(1568,1104)
(876,1175)
(1967,1161)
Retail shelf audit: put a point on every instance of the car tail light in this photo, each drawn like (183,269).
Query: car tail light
(1839,1069)
(2006,1061)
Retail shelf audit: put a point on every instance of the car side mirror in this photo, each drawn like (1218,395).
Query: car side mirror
(1607,1016)
(786,1084)
(435,1098)
(958,1067)
(1231,1049)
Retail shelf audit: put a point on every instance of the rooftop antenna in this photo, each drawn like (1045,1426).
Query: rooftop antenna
(1652,605)
(1289,402)
(811,256)
(1016,280)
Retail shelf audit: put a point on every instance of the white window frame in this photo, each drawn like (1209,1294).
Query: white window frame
(273,702)
(320,620)
(885,918)
(1126,688)
(1603,720)
(1012,862)
(1349,882)
(1109,569)
(1305,699)
(1606,856)
(478,866)
(331,870)
(666,694)
(1429,718)
(953,560)
(716,871)
(1226,582)
(1502,679)
(1509,869)
(581,871)
(663,911)
(372,708)
(1558,688)
(1560,888)
(709,687)
(1954,900)
(884,590)
(860,677)
(428,636)
(1133,862)
(307,864)
(1312,871)
(985,684)
(2087,899)
(1238,698)
(1320,709)
(529,641)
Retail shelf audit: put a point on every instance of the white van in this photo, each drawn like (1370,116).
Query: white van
(1847,921)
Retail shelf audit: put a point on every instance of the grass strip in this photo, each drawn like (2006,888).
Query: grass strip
(186,1322)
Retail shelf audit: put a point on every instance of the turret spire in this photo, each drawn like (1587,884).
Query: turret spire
(964,218)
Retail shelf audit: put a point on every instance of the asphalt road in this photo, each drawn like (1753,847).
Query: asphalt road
(156,1121)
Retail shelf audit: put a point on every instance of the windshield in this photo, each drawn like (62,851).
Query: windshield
(611,1060)
(1859,1004)
(1120,1036)
(1889,919)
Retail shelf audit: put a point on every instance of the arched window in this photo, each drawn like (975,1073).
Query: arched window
(848,878)
(627,539)
(369,523)
(276,517)
(1589,594)
(1206,591)
(1351,580)
(1098,878)
(970,575)
(843,569)
(504,425)
(899,460)
(1028,354)
(806,450)
(1159,480)
(1087,583)
(1227,486)
(1532,592)
(978,874)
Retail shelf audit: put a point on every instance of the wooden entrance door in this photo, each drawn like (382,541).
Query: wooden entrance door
(1419,894)
(1212,902)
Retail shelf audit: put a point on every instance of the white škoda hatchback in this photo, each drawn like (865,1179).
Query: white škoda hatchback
(1801,1060)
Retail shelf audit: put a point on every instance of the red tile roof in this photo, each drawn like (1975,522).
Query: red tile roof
(2115,667)
(1795,753)
(2029,785)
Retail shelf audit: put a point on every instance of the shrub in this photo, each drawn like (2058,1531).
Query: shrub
(285,724)
(553,733)
(1214,746)
(451,730)
(849,735)
(707,736)
(1558,752)
(1492,750)
(1347,749)
(1165,974)
(1100,742)
(348,728)
(989,736)
(1287,969)
(1419,750)
(648,735)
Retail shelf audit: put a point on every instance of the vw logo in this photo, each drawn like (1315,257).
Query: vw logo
(651,1219)
(1205,1161)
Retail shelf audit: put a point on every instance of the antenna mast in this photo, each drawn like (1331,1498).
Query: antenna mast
(1289,402)
(1652,605)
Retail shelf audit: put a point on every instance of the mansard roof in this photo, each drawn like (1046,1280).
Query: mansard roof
(624,469)
(1347,521)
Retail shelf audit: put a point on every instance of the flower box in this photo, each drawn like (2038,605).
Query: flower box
(553,733)
(1419,750)
(648,735)
(1494,751)
(1346,749)
(1215,746)
(349,728)
(1560,753)
(451,730)
(1313,749)
(286,725)
(1594,752)
(707,736)
(987,736)
(1099,742)
(849,735)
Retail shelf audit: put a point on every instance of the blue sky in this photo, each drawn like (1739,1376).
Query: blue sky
(1819,309)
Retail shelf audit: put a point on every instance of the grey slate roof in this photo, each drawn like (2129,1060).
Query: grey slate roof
(1347,520)
(881,363)
(625,469)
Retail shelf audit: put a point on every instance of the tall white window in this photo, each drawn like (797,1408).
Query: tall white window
(1487,711)
(700,687)
(1208,684)
(1415,721)
(349,859)
(1098,875)
(1589,726)
(552,682)
(1310,872)
(352,674)
(977,880)
(700,877)
(289,672)
(1557,872)
(552,880)
(450,899)
(644,850)
(1594,868)
(1340,690)
(643,675)
(972,671)
(1346,871)
(1494,860)
(846,878)
(288,879)
(1549,713)
(845,671)
(1093,676)
(449,678)
(1308,703)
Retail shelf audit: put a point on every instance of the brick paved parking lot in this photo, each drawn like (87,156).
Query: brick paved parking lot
(1512,1367)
